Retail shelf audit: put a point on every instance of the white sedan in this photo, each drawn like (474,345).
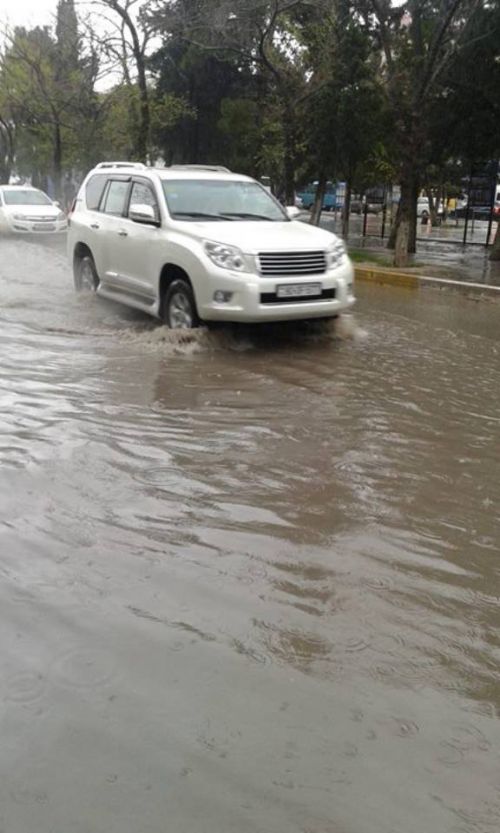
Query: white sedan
(27,210)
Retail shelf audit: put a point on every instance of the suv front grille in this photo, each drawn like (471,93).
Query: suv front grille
(292,263)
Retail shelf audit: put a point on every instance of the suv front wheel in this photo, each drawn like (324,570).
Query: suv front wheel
(179,307)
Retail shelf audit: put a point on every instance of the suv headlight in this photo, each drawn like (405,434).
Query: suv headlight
(227,257)
(335,253)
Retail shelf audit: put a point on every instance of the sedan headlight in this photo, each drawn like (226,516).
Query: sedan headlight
(60,217)
(227,257)
(335,253)
(19,216)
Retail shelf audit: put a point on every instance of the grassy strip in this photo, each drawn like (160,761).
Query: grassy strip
(363,256)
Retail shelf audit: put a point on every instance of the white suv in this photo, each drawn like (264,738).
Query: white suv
(190,243)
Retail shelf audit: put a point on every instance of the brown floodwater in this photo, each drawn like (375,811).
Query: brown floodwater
(249,581)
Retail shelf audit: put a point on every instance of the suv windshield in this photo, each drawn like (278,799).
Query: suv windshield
(25,197)
(216,199)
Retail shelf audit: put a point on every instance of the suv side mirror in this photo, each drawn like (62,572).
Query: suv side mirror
(142,213)
(292,211)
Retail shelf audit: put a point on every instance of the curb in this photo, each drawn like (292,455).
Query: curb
(393,277)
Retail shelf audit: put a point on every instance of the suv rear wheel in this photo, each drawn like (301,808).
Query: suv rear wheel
(85,274)
(179,307)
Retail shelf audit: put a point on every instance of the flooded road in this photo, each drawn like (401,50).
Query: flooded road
(248,584)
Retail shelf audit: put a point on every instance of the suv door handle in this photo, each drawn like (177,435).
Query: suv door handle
(123,233)
(94,225)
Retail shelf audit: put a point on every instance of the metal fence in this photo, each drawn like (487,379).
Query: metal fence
(474,227)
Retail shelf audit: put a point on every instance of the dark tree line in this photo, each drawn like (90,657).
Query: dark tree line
(358,90)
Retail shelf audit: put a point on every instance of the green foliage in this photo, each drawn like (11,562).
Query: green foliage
(201,81)
(362,90)
(116,130)
(465,119)
(48,90)
(240,133)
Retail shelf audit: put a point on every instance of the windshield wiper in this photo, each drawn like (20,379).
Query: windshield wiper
(246,216)
(199,215)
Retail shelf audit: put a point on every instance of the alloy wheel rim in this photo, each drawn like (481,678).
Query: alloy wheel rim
(180,313)
(87,278)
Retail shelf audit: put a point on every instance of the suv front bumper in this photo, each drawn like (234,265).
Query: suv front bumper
(37,227)
(248,305)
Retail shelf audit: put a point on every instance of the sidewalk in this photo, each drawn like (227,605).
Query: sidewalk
(414,279)
(435,256)
(469,265)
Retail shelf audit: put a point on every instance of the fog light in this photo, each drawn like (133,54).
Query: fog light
(222,297)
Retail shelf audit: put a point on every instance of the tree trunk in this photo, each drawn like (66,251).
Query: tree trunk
(7,151)
(433,206)
(318,200)
(495,251)
(141,147)
(444,199)
(391,243)
(402,241)
(289,172)
(57,161)
(289,153)
(5,172)
(406,219)
(142,143)
(346,210)
(412,237)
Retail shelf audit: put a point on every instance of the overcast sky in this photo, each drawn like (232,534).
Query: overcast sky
(42,13)
(27,12)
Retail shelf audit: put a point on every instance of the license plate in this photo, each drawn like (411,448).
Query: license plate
(298,290)
(44,227)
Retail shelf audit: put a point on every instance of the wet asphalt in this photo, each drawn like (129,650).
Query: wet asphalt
(249,579)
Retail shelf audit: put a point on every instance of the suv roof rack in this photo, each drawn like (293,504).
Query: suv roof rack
(121,165)
(216,168)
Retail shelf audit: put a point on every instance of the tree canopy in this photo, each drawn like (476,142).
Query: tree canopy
(359,90)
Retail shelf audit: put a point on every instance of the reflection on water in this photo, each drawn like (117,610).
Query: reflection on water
(248,581)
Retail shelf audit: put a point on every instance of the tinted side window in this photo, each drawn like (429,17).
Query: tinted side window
(94,189)
(143,194)
(116,195)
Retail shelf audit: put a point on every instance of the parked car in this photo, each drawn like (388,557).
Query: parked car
(307,196)
(374,199)
(191,243)
(27,210)
(374,207)
(423,208)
